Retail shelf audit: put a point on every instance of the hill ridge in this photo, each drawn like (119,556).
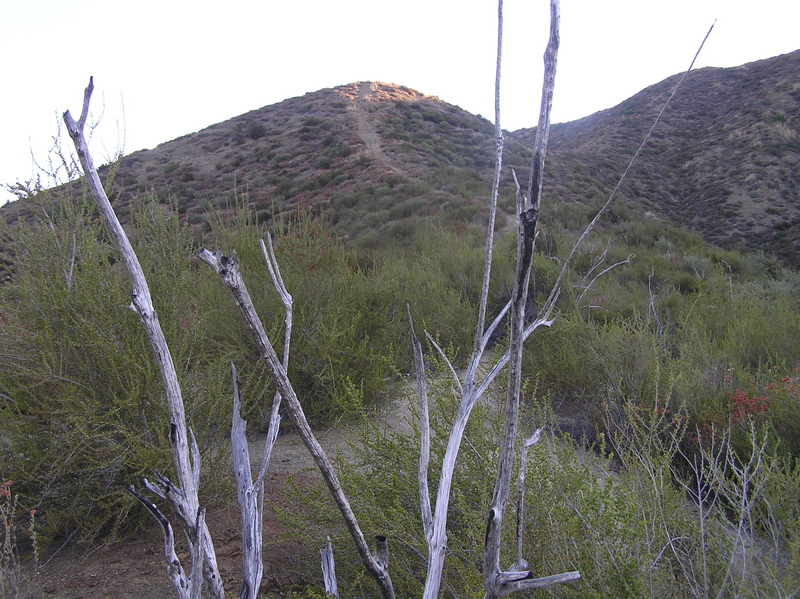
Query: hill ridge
(724,161)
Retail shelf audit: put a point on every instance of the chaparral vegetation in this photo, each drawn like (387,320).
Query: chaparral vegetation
(656,419)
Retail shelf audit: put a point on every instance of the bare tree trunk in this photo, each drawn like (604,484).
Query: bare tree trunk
(251,501)
(229,271)
(528,211)
(184,499)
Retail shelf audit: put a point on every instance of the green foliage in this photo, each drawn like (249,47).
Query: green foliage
(381,482)
(83,407)
(684,324)
(678,317)
(619,513)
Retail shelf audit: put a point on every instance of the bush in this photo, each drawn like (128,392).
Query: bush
(83,405)
(618,513)
(382,484)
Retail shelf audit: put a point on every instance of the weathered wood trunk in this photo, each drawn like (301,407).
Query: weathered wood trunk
(186,460)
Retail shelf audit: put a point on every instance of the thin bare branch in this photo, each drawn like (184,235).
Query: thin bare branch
(424,431)
(229,271)
(186,587)
(186,502)
(274,420)
(590,227)
(590,285)
(498,167)
(456,378)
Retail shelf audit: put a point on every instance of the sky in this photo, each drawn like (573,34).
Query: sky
(166,68)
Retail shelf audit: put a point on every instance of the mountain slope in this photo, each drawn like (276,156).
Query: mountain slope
(725,159)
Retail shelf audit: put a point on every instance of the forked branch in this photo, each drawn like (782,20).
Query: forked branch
(496,581)
(229,270)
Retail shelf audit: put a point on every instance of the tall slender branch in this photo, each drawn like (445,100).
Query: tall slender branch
(425,434)
(251,493)
(550,302)
(184,500)
(498,167)
(528,209)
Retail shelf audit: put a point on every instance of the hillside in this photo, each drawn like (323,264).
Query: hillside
(666,389)
(723,161)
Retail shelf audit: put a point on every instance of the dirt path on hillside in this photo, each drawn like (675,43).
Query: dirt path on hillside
(366,128)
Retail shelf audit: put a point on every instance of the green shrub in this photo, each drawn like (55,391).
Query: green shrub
(84,410)
(618,513)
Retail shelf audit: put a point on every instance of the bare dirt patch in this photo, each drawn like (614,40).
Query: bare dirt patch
(135,568)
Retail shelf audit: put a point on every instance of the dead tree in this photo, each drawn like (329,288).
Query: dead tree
(471,386)
(229,270)
(496,581)
(185,456)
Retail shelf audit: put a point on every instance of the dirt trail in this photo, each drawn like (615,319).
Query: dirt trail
(290,456)
(366,128)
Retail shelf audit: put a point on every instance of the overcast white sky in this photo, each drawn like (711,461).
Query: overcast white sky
(165,68)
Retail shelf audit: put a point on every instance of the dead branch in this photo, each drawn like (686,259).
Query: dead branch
(251,493)
(230,272)
(251,500)
(185,502)
(521,563)
(498,583)
(182,584)
(498,167)
(328,566)
(425,433)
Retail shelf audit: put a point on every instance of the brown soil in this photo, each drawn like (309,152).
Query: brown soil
(136,568)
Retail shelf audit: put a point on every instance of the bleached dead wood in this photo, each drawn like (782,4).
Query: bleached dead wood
(471,388)
(187,587)
(251,493)
(229,270)
(496,581)
(328,566)
(186,460)
(425,434)
(521,563)
(251,500)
